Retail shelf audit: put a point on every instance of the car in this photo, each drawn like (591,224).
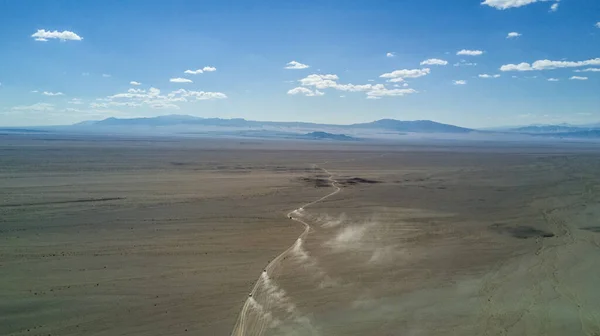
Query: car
(250,295)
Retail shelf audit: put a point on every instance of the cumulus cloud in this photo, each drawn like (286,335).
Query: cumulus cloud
(506,4)
(488,76)
(181,94)
(135,83)
(513,35)
(379,91)
(554,7)
(329,81)
(153,98)
(552,79)
(47,93)
(597,24)
(180,80)
(75,101)
(43,35)
(578,78)
(548,65)
(304,91)
(293,65)
(464,63)
(470,52)
(459,82)
(434,61)
(194,72)
(106,75)
(199,71)
(38,107)
(589,70)
(399,75)
(320,81)
(390,54)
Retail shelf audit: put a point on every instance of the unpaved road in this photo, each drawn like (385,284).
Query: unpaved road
(257,313)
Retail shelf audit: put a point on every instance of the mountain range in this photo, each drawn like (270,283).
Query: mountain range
(417,126)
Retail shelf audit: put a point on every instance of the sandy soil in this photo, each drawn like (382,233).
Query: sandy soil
(169,237)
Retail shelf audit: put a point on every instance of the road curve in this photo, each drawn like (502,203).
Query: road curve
(240,326)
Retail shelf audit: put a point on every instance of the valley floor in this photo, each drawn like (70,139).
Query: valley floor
(168,237)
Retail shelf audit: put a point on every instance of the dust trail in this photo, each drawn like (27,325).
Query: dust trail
(264,288)
(309,262)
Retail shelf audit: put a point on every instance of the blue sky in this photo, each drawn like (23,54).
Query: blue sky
(68,61)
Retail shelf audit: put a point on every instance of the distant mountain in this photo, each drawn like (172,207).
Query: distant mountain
(326,136)
(587,134)
(548,129)
(418,126)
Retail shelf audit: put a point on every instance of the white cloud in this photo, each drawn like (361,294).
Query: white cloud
(390,54)
(488,76)
(198,95)
(199,71)
(320,81)
(405,84)
(589,70)
(554,7)
(459,82)
(304,91)
(75,101)
(379,91)
(373,97)
(513,35)
(597,24)
(35,107)
(153,98)
(470,52)
(434,61)
(464,63)
(106,75)
(553,79)
(548,65)
(506,4)
(114,103)
(34,91)
(578,78)
(293,65)
(194,72)
(85,73)
(43,35)
(180,80)
(516,67)
(135,83)
(329,81)
(46,93)
(399,75)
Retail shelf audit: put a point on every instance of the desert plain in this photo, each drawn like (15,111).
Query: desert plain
(175,236)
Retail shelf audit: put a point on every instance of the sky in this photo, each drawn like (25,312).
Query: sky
(470,63)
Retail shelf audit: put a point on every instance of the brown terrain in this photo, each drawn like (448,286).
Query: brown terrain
(170,237)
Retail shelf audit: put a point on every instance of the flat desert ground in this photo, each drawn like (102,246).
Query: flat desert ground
(166,236)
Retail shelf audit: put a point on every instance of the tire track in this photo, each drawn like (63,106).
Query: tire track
(243,326)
